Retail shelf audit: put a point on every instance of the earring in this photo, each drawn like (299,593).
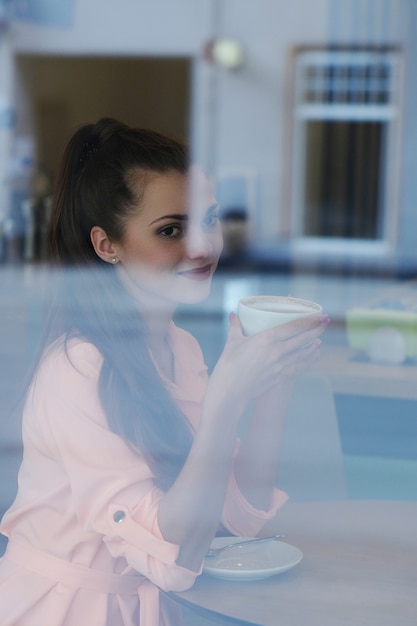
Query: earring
(114,260)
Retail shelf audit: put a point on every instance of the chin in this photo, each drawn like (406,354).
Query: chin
(195,295)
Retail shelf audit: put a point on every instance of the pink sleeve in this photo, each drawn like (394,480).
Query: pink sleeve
(240,517)
(112,487)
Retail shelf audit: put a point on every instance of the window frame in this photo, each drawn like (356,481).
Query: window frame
(390,113)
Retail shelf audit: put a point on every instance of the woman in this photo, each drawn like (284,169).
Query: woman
(131,456)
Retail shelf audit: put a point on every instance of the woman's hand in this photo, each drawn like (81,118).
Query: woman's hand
(283,353)
(249,366)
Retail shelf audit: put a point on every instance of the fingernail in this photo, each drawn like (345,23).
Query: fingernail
(231,316)
(325,319)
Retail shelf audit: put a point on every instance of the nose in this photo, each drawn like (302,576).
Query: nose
(198,244)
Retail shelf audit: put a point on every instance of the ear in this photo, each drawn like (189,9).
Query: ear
(102,245)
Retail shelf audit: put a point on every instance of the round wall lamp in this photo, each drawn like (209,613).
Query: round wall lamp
(225,52)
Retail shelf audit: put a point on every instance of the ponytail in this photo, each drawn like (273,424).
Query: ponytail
(95,189)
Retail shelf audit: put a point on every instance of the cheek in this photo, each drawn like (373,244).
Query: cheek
(165,257)
(218,242)
(221,239)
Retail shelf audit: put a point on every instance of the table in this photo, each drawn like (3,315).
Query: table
(351,373)
(359,569)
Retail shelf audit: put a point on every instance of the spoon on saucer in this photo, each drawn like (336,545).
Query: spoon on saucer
(215,551)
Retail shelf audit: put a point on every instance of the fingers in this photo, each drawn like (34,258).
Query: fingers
(297,352)
(275,343)
(304,324)
(299,332)
(235,327)
(280,339)
(260,361)
(290,329)
(297,361)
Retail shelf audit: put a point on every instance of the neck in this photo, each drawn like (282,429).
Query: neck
(157,320)
(156,310)
(157,313)
(160,349)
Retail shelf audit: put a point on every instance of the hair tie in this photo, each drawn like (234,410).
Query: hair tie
(87,149)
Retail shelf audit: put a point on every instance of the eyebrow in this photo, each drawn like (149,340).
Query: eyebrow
(174,216)
(181,216)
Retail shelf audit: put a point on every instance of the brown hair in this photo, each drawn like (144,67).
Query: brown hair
(94,188)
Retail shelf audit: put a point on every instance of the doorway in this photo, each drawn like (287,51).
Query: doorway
(56,94)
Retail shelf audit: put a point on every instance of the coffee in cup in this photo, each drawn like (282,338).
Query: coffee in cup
(257,313)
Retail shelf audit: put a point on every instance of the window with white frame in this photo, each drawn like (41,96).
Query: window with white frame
(345,147)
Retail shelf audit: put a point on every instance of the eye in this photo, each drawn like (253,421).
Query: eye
(210,221)
(170,232)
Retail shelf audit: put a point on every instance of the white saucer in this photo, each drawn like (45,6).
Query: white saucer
(252,562)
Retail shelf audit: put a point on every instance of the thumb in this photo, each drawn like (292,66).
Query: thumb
(235,325)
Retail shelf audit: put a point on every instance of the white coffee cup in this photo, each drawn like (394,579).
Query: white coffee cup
(257,313)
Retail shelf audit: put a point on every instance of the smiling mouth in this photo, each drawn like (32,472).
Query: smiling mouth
(198,273)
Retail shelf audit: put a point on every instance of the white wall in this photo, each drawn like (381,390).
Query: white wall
(253,127)
(253,108)
(159,27)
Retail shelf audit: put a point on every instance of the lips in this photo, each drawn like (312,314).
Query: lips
(197,273)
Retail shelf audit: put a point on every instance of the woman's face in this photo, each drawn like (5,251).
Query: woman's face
(171,246)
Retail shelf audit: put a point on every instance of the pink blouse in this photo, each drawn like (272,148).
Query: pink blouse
(84,542)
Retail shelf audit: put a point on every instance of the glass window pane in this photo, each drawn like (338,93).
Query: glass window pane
(343,161)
